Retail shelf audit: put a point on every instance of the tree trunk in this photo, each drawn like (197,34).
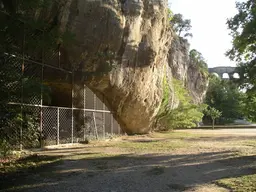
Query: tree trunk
(213,121)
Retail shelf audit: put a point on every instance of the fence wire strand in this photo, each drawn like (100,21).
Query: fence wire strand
(39,83)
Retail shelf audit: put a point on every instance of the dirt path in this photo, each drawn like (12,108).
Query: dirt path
(189,160)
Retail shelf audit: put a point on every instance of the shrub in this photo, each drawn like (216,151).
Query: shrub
(5,147)
(186,115)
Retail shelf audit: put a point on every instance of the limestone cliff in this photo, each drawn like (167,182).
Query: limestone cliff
(186,70)
(134,37)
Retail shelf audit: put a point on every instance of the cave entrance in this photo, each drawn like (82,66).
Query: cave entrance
(66,111)
(43,89)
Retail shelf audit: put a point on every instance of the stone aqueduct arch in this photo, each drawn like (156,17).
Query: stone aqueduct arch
(220,71)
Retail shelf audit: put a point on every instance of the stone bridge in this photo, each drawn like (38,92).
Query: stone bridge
(225,72)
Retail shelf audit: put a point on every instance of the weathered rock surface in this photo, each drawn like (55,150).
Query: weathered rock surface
(185,70)
(134,36)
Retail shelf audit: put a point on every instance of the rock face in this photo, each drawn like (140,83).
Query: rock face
(184,69)
(135,38)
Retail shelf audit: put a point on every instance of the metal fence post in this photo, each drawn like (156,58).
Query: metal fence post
(72,110)
(22,90)
(41,101)
(95,126)
(94,101)
(84,106)
(94,108)
(41,109)
(58,126)
(21,125)
(112,124)
(103,120)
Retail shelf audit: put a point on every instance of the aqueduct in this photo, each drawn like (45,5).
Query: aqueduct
(225,72)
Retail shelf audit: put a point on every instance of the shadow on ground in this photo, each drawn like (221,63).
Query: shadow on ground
(131,173)
(221,138)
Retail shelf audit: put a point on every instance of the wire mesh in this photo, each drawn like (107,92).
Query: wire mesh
(64,60)
(108,123)
(30,126)
(89,99)
(11,78)
(33,44)
(49,125)
(78,96)
(78,125)
(116,127)
(31,83)
(59,87)
(65,126)
(85,128)
(99,104)
(90,128)
(51,57)
(11,31)
(99,123)
(10,124)
(42,99)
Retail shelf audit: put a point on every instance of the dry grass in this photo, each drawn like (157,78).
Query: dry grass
(122,153)
(239,184)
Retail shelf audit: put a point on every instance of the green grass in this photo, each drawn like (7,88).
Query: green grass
(28,162)
(151,146)
(156,142)
(153,143)
(174,135)
(245,142)
(251,143)
(239,184)
(92,156)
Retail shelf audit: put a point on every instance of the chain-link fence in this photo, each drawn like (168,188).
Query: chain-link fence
(43,95)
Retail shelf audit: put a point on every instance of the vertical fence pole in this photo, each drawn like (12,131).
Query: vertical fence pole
(41,101)
(119,129)
(103,120)
(95,126)
(22,90)
(84,107)
(41,110)
(94,108)
(84,133)
(94,101)
(72,110)
(112,124)
(59,56)
(58,126)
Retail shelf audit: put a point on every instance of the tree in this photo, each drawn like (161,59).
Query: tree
(169,15)
(225,96)
(181,25)
(243,31)
(213,113)
(19,124)
(249,107)
(197,58)
(186,115)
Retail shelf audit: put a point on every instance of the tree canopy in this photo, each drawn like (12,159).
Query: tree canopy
(226,97)
(197,57)
(243,31)
(213,113)
(186,115)
(180,25)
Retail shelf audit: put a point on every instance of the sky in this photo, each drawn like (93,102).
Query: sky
(209,29)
